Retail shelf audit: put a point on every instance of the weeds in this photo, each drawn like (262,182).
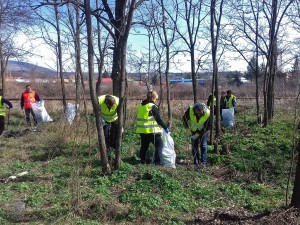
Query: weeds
(65,184)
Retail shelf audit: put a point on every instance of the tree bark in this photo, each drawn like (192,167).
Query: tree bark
(295,201)
(101,139)
(59,49)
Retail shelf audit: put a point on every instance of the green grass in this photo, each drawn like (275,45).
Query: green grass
(65,184)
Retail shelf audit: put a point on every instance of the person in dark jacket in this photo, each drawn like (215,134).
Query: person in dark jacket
(149,124)
(230,100)
(27,98)
(197,123)
(212,100)
(222,102)
(3,110)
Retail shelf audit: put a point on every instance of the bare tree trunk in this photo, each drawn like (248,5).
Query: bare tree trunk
(271,67)
(59,49)
(80,78)
(214,43)
(122,25)
(213,55)
(3,66)
(192,18)
(256,17)
(167,46)
(295,201)
(76,39)
(101,139)
(102,50)
(2,71)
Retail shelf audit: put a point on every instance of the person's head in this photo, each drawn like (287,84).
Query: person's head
(229,93)
(110,101)
(28,88)
(223,93)
(200,109)
(152,96)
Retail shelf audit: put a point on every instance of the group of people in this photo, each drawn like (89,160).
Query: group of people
(227,101)
(149,125)
(27,98)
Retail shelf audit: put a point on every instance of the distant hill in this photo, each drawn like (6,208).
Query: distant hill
(17,69)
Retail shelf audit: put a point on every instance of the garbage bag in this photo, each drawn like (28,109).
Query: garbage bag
(71,112)
(168,155)
(40,112)
(228,117)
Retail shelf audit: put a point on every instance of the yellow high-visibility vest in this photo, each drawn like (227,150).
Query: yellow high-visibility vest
(109,115)
(193,124)
(228,102)
(2,108)
(146,124)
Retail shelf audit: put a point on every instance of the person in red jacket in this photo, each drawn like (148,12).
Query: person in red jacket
(27,98)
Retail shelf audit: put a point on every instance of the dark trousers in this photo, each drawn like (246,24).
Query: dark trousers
(2,124)
(155,139)
(203,146)
(110,133)
(27,117)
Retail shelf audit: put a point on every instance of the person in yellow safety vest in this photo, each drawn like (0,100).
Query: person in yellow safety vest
(109,109)
(197,123)
(211,100)
(27,98)
(230,100)
(3,110)
(149,126)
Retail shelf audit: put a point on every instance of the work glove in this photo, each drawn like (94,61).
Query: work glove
(167,130)
(193,138)
(103,122)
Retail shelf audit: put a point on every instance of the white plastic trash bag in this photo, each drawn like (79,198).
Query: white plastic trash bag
(71,112)
(168,155)
(228,117)
(40,112)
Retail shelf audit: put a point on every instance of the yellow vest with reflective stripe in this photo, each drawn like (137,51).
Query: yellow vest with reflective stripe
(109,115)
(2,108)
(193,124)
(146,124)
(215,102)
(229,101)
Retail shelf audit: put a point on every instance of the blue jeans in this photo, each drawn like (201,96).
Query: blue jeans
(195,149)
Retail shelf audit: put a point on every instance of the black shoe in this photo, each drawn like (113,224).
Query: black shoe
(202,166)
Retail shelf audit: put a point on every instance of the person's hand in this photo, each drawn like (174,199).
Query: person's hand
(167,130)
(193,138)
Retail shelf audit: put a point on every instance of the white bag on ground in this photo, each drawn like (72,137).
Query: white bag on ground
(71,112)
(40,112)
(228,117)
(168,155)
